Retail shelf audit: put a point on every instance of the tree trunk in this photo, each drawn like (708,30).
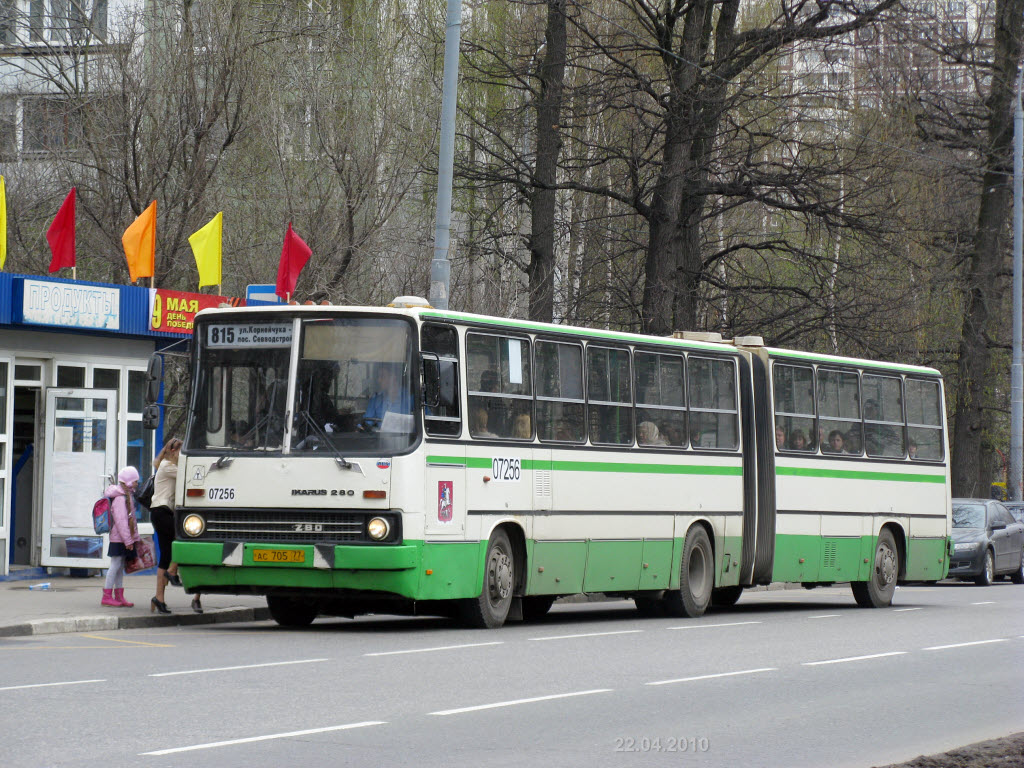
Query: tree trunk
(983,284)
(549,144)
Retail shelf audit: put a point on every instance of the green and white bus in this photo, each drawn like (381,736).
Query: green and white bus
(344,460)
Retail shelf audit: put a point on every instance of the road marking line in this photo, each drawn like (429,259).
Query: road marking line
(228,669)
(852,658)
(589,634)
(251,739)
(963,645)
(825,616)
(436,648)
(129,642)
(713,626)
(901,610)
(719,674)
(47,685)
(514,702)
(985,602)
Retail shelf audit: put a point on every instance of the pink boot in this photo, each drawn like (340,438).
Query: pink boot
(108,599)
(119,599)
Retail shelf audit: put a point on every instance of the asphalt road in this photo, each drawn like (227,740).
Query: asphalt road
(785,678)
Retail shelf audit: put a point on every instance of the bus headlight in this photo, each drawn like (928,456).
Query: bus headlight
(378,528)
(193,525)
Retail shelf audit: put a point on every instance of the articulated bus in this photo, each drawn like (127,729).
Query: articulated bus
(345,460)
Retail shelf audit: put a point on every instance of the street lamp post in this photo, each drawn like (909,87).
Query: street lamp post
(1017,371)
(441,267)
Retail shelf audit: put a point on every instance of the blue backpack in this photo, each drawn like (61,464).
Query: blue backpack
(101,515)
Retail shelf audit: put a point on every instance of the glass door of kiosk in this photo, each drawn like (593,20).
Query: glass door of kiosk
(6,416)
(80,459)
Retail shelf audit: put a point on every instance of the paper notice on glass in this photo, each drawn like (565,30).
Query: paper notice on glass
(515,361)
(397,422)
(78,482)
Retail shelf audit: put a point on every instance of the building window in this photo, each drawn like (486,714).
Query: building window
(51,123)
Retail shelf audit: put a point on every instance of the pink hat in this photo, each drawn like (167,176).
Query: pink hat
(128,475)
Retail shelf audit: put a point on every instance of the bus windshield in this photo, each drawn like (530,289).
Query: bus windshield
(353,390)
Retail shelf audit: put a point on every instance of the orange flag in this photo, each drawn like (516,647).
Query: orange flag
(139,242)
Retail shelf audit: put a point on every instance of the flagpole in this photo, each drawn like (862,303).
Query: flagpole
(74,273)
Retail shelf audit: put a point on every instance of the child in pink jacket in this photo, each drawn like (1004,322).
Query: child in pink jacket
(124,535)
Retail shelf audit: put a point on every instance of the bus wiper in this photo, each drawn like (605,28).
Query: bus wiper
(314,441)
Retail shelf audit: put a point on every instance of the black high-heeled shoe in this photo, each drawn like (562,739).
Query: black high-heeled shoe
(158,605)
(196,605)
(173,579)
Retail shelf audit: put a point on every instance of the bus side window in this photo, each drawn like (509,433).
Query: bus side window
(559,372)
(609,396)
(499,383)
(924,419)
(839,427)
(883,416)
(660,386)
(793,388)
(440,345)
(714,418)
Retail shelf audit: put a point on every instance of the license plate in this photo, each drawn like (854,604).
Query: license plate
(278,556)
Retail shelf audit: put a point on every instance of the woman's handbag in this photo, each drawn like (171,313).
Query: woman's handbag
(143,558)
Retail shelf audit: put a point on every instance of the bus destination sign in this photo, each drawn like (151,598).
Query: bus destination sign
(250,335)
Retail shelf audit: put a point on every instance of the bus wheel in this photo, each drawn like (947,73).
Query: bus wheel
(490,609)
(696,577)
(878,590)
(536,606)
(723,597)
(290,612)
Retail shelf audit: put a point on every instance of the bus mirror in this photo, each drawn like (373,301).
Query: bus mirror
(151,417)
(439,377)
(154,375)
(446,384)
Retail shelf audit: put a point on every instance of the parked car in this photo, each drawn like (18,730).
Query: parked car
(988,542)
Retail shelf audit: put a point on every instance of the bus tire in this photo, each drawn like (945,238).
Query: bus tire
(536,606)
(490,609)
(696,576)
(291,612)
(878,590)
(723,597)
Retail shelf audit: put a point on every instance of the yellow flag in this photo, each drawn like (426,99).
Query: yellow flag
(3,222)
(206,245)
(139,242)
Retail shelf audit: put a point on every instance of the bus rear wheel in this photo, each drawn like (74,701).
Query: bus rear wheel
(490,609)
(696,577)
(291,612)
(878,590)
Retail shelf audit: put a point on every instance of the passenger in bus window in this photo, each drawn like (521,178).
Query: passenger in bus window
(489,380)
(912,448)
(797,441)
(647,433)
(851,441)
(780,437)
(822,440)
(522,429)
(835,442)
(478,423)
(674,434)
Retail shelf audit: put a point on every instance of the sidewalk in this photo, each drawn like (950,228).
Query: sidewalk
(72,604)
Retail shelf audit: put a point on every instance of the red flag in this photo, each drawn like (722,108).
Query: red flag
(294,256)
(61,234)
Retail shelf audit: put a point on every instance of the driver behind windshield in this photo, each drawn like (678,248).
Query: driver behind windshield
(389,397)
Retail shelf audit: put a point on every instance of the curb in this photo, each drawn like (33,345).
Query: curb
(106,623)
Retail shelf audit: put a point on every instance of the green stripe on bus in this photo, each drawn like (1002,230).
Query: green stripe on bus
(475,462)
(826,359)
(853,474)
